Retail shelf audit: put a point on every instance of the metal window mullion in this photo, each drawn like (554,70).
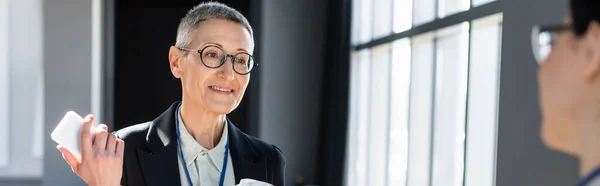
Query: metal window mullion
(498,67)
(465,16)
(389,115)
(369,116)
(433,98)
(466,123)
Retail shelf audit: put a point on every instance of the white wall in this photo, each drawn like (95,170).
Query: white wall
(45,70)
(22,127)
(4,84)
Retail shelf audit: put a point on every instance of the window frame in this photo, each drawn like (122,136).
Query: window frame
(432,27)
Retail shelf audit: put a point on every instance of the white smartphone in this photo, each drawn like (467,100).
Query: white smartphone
(67,133)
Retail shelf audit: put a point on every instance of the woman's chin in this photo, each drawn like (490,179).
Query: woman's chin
(222,108)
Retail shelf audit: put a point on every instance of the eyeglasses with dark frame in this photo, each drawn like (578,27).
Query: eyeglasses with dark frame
(543,38)
(213,56)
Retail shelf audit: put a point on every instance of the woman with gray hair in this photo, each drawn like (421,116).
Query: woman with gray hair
(192,143)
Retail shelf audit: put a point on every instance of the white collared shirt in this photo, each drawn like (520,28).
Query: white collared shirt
(203,165)
(595,182)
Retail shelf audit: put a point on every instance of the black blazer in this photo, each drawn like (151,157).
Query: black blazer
(151,154)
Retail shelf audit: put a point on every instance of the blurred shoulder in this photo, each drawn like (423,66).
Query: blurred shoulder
(272,152)
(274,156)
(135,134)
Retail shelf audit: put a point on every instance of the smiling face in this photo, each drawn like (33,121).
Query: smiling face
(218,90)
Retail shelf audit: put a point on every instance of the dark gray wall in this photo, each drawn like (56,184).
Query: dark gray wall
(67,77)
(291,65)
(522,159)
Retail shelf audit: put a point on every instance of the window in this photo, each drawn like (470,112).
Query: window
(449,105)
(4,73)
(484,70)
(424,91)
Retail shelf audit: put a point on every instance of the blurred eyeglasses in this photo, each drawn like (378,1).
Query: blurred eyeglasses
(214,57)
(543,38)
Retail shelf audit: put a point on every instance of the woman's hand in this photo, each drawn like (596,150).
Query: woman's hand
(101,161)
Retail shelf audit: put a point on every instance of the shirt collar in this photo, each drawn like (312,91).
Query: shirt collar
(591,179)
(192,149)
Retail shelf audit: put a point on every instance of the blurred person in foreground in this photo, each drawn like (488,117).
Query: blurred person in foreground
(569,84)
(192,143)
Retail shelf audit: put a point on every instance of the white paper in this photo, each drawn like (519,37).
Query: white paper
(251,182)
(67,133)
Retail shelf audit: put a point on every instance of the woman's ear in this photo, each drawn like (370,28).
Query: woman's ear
(175,55)
(592,70)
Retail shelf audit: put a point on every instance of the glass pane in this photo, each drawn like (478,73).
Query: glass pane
(382,18)
(365,21)
(424,11)
(398,131)
(421,94)
(4,84)
(480,2)
(450,98)
(483,101)
(356,22)
(353,114)
(361,21)
(402,15)
(449,7)
(379,115)
(364,66)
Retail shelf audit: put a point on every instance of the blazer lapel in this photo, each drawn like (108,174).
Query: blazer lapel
(159,163)
(247,162)
(158,160)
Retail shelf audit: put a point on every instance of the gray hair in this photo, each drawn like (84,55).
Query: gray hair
(205,11)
